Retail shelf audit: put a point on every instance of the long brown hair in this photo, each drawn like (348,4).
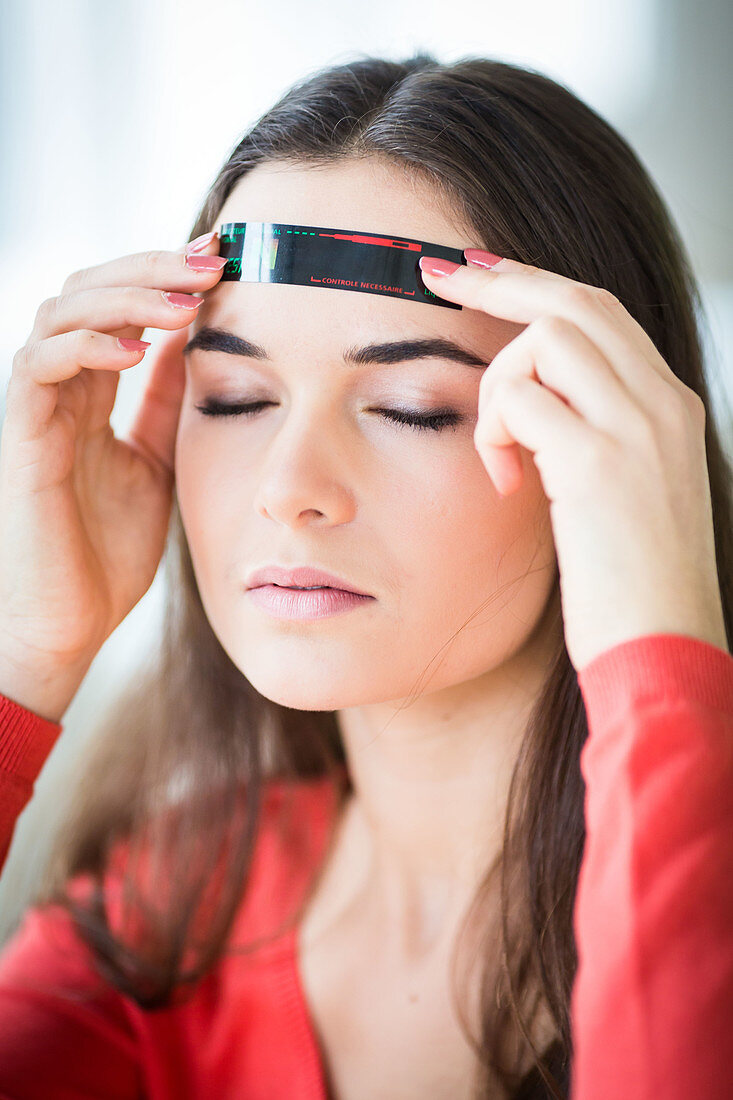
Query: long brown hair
(539,177)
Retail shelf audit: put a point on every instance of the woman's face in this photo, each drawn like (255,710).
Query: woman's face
(460,577)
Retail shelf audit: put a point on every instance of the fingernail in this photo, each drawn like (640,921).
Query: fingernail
(436,266)
(478,256)
(205,263)
(132,345)
(200,242)
(185,301)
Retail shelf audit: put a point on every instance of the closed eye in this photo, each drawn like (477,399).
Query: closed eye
(434,421)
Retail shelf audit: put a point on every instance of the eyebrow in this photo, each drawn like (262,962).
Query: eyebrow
(394,351)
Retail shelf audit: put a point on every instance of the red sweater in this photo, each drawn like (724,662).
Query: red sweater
(652,1003)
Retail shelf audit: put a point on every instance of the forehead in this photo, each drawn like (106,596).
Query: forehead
(367,195)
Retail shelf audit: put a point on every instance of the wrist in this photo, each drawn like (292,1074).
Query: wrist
(47,692)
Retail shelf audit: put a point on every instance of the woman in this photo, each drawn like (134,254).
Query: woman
(338,856)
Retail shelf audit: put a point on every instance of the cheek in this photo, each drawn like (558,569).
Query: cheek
(447,522)
(210,467)
(465,555)
(210,493)
(195,455)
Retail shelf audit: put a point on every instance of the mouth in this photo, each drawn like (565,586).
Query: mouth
(309,588)
(316,602)
(301,579)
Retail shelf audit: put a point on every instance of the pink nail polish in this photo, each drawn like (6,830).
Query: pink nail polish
(478,256)
(434,265)
(200,242)
(182,301)
(132,345)
(205,263)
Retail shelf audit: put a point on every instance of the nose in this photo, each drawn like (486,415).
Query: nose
(305,475)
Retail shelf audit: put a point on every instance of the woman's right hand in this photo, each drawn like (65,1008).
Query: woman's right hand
(84,516)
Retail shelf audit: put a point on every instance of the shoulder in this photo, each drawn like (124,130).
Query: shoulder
(292,830)
(52,996)
(63,1028)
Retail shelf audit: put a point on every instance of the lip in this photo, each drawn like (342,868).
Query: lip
(287,603)
(304,576)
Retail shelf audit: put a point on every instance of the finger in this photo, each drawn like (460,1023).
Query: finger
(560,356)
(155,425)
(160,269)
(512,291)
(525,412)
(112,308)
(33,394)
(504,466)
(205,244)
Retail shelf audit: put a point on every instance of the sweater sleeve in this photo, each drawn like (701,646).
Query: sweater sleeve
(26,740)
(652,1002)
(64,1033)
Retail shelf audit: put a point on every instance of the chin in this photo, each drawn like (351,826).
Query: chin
(298,697)
(325,692)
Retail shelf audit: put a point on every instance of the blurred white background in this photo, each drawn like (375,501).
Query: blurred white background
(115,118)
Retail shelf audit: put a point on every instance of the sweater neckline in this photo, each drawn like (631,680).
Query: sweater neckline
(300,1020)
(301,1025)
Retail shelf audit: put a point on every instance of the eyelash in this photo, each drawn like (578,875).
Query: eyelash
(443,418)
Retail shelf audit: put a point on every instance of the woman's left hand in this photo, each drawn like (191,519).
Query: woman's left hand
(619,443)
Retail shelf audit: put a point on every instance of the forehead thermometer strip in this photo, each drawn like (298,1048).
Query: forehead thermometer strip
(340,259)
